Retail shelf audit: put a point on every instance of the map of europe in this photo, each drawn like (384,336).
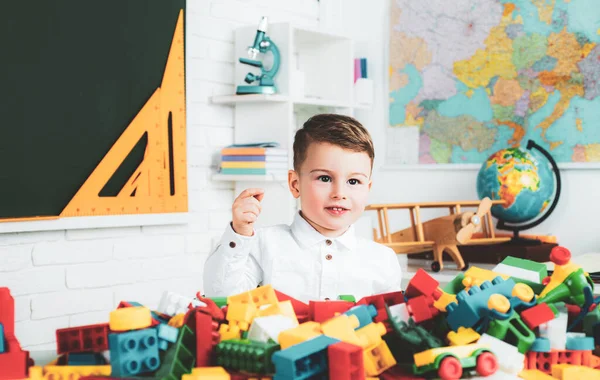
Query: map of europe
(477,76)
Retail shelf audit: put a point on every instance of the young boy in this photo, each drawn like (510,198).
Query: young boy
(318,256)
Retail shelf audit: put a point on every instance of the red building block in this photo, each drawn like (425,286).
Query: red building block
(82,338)
(320,311)
(421,308)
(422,284)
(300,308)
(14,362)
(212,308)
(206,330)
(346,362)
(537,315)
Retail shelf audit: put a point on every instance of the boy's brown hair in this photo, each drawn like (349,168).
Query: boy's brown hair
(343,131)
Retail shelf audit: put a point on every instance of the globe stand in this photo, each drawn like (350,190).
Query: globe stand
(516,228)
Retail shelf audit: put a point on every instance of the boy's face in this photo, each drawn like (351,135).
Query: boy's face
(333,185)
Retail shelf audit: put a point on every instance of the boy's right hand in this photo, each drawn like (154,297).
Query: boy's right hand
(245,211)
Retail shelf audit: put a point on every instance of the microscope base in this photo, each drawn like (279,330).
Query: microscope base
(243,90)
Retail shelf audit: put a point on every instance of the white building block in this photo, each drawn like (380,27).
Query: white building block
(510,360)
(399,311)
(269,327)
(173,303)
(556,330)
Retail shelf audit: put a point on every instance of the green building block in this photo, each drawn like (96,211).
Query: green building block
(513,331)
(220,301)
(246,355)
(456,285)
(180,357)
(347,297)
(590,320)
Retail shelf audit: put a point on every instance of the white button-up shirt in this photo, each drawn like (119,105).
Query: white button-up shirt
(300,262)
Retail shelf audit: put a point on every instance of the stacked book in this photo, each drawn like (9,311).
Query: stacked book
(254,159)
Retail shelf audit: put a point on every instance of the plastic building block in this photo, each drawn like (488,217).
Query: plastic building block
(219,301)
(580,343)
(246,355)
(177,321)
(513,331)
(305,360)
(371,334)
(173,303)
(242,314)
(534,374)
(471,307)
(82,339)
(510,360)
(130,318)
(590,320)
(179,358)
(567,281)
(421,284)
(300,308)
(1,338)
(85,359)
(537,315)
(157,318)
(168,333)
(399,312)
(284,308)
(205,331)
(475,276)
(574,372)
(444,300)
(303,332)
(61,372)
(321,311)
(216,311)
(207,373)
(346,297)
(421,308)
(364,313)
(540,345)
(378,358)
(133,352)
(556,330)
(263,295)
(463,337)
(268,328)
(449,362)
(522,269)
(456,285)
(346,362)
(14,361)
(343,328)
(544,361)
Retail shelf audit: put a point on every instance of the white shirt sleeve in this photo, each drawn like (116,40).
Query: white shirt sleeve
(392,273)
(233,266)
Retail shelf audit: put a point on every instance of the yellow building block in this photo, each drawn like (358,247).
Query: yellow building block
(207,373)
(461,352)
(281,308)
(372,333)
(378,359)
(574,372)
(74,372)
(342,328)
(475,276)
(230,331)
(444,301)
(242,313)
(463,336)
(35,373)
(130,318)
(303,332)
(177,320)
(534,374)
(264,295)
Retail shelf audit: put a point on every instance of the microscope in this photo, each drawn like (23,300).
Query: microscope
(262,44)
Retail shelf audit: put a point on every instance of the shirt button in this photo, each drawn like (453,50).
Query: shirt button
(328,242)
(232,244)
(328,257)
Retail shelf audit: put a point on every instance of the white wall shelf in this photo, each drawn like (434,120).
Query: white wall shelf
(316,75)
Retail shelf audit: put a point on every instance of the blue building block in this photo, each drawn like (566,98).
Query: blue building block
(472,306)
(580,343)
(85,358)
(163,345)
(168,333)
(304,360)
(133,352)
(364,313)
(1,338)
(540,345)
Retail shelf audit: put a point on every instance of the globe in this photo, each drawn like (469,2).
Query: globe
(523,178)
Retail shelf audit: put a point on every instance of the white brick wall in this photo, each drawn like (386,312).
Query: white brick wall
(72,278)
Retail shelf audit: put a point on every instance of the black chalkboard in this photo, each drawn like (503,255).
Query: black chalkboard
(73,74)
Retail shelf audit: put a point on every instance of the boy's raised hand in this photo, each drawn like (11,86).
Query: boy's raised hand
(245,210)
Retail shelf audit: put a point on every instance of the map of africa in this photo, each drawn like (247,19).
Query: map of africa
(477,76)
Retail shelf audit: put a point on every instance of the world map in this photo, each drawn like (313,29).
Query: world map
(478,76)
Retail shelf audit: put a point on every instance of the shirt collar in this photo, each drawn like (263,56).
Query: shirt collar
(308,236)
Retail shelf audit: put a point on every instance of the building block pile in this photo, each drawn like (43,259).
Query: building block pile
(512,322)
